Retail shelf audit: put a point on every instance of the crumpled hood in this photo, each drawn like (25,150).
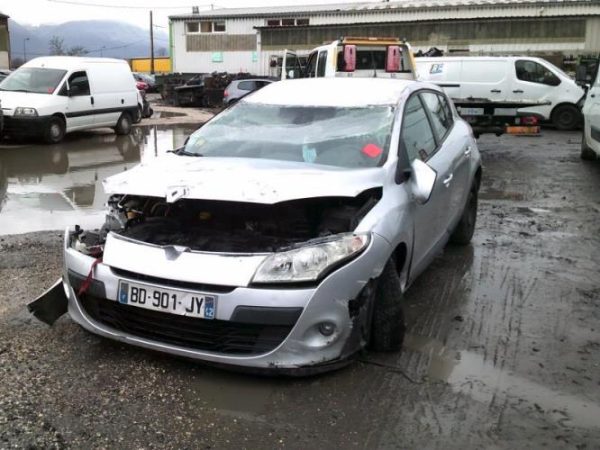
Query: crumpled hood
(11,100)
(241,180)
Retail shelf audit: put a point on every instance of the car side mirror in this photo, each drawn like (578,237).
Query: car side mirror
(422,181)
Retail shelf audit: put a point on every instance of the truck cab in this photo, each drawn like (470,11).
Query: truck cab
(362,57)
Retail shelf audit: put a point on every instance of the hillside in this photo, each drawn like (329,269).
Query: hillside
(98,37)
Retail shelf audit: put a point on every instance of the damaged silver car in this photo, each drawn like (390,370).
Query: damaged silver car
(283,234)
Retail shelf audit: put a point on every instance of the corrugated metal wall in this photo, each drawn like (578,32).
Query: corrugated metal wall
(4,40)
(220,42)
(446,33)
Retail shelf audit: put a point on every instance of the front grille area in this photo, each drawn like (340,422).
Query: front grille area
(217,336)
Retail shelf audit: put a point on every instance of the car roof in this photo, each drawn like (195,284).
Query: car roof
(343,92)
(69,62)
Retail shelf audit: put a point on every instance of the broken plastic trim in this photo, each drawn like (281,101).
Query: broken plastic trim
(51,305)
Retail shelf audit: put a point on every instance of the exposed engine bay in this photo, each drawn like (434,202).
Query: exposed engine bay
(228,227)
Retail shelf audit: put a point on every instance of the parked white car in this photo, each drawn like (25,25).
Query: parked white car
(50,96)
(508,79)
(283,235)
(590,141)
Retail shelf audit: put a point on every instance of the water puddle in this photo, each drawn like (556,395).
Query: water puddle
(50,187)
(166,114)
(468,373)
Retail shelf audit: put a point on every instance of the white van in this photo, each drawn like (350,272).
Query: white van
(508,79)
(590,142)
(54,95)
(354,57)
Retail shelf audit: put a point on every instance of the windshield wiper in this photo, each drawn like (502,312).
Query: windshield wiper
(182,152)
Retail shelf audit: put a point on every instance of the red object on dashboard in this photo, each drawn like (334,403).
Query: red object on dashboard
(372,150)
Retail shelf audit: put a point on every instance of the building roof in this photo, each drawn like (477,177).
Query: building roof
(3,16)
(342,92)
(372,7)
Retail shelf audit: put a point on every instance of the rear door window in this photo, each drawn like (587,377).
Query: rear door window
(417,135)
(441,121)
(247,86)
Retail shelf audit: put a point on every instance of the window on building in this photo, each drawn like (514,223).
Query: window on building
(206,26)
(287,22)
(192,27)
(535,73)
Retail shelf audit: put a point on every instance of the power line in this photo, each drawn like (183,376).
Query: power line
(105,5)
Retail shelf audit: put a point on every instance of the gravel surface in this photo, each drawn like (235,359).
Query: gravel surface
(502,352)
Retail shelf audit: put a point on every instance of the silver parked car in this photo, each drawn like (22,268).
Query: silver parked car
(283,235)
(238,89)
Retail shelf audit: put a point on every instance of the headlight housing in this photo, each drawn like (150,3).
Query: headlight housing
(312,261)
(23,111)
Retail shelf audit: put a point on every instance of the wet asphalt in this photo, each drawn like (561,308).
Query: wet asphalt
(503,345)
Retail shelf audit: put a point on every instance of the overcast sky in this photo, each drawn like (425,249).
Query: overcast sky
(36,12)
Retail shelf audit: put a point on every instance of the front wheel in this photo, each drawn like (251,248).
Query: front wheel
(387,325)
(55,131)
(463,232)
(123,125)
(566,117)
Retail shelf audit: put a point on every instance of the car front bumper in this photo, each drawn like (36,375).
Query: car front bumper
(25,126)
(267,310)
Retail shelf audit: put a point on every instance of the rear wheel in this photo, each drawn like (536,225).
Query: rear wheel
(387,326)
(566,117)
(55,130)
(587,153)
(138,115)
(123,125)
(463,232)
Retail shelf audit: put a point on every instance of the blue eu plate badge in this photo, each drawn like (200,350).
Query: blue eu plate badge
(209,307)
(123,292)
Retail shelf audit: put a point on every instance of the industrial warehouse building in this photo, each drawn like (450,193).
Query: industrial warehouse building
(250,39)
(4,42)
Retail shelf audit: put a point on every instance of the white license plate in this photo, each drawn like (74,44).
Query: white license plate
(505,112)
(471,111)
(171,301)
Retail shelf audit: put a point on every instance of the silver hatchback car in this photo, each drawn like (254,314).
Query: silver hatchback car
(283,235)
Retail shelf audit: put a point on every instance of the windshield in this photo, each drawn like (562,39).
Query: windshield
(33,79)
(343,137)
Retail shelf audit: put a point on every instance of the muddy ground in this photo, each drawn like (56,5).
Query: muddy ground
(503,348)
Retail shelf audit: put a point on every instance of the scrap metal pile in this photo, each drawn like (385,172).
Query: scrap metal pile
(203,90)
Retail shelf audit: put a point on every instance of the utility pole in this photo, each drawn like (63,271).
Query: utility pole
(25,49)
(151,45)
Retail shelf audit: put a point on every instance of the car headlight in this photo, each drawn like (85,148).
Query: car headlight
(310,262)
(21,111)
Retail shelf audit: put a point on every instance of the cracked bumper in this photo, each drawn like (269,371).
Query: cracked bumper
(303,347)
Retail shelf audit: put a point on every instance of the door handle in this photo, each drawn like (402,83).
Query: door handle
(468,151)
(92,100)
(518,91)
(448,179)
(497,91)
